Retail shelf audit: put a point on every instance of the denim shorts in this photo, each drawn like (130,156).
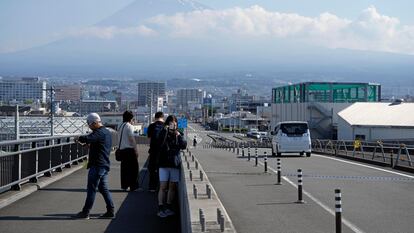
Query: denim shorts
(169,174)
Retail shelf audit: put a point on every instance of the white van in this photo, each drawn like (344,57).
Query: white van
(291,137)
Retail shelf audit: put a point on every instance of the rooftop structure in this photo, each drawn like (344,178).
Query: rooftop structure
(327,92)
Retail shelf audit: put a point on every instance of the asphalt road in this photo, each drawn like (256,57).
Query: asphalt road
(50,209)
(374,199)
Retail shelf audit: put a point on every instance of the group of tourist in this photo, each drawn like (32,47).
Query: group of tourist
(166,143)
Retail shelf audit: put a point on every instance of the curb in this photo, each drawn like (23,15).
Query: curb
(209,206)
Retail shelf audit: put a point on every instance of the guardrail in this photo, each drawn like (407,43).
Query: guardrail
(25,160)
(391,154)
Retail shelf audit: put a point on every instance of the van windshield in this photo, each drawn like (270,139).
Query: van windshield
(294,129)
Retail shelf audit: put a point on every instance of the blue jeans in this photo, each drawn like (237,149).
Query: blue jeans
(98,178)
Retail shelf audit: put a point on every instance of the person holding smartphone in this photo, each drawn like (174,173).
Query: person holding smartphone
(172,142)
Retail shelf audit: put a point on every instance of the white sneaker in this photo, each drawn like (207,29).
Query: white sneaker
(169,212)
(162,214)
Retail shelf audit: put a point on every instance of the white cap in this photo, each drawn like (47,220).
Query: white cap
(93,117)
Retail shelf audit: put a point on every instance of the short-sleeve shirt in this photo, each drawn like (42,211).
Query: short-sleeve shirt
(127,131)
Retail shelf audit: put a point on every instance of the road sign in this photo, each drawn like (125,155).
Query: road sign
(182,123)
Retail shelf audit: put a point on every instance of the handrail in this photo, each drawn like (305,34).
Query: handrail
(392,154)
(27,159)
(24,141)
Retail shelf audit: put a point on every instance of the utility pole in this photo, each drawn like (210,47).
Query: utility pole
(16,124)
(151,102)
(52,120)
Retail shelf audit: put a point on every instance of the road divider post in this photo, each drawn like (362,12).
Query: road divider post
(300,187)
(279,173)
(338,211)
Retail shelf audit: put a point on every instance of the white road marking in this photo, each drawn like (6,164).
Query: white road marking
(352,226)
(363,165)
(189,126)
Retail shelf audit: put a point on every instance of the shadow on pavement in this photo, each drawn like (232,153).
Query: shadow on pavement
(82,190)
(138,213)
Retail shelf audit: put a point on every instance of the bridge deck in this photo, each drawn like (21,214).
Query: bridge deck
(374,199)
(50,209)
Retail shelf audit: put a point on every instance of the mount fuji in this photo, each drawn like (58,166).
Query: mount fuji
(96,52)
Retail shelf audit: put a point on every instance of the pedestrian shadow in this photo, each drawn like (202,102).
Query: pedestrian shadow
(77,190)
(46,217)
(138,213)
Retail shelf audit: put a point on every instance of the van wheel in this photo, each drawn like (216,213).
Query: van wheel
(308,154)
(301,153)
(278,154)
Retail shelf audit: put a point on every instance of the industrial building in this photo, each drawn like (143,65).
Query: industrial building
(377,121)
(319,103)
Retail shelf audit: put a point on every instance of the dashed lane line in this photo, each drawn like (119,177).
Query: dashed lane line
(364,165)
(349,224)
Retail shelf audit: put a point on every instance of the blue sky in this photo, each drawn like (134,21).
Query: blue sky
(29,23)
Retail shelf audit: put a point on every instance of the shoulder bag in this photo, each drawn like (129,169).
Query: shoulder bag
(118,155)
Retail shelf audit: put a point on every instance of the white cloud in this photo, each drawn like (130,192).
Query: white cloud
(370,31)
(112,31)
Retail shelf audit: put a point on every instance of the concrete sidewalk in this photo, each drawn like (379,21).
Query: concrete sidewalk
(50,209)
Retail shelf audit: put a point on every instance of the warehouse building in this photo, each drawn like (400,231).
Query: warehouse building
(377,121)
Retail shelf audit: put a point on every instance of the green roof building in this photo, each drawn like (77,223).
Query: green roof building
(327,92)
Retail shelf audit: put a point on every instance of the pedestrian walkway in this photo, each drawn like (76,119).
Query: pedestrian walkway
(51,209)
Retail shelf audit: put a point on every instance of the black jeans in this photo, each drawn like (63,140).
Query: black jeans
(129,169)
(153,173)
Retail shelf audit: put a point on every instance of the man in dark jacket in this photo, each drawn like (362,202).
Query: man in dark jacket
(153,133)
(100,143)
(169,162)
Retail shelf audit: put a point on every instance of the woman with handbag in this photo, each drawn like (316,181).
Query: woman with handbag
(128,154)
(171,142)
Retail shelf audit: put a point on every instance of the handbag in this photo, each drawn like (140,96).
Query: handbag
(118,154)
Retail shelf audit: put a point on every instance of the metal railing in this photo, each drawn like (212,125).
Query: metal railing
(222,142)
(391,154)
(25,160)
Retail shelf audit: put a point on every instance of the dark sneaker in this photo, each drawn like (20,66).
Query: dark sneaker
(81,215)
(108,215)
(161,214)
(169,212)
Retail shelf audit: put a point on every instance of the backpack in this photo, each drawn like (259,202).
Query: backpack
(156,139)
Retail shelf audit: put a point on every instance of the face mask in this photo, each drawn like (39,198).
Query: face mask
(171,126)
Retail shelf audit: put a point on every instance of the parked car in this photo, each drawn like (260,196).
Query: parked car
(253,133)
